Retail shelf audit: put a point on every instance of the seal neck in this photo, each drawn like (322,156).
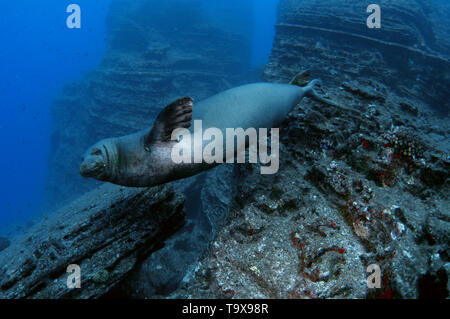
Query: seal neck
(112,160)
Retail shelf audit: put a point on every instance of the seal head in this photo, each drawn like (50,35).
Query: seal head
(143,158)
(97,161)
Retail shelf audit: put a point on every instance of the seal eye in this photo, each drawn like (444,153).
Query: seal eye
(96,152)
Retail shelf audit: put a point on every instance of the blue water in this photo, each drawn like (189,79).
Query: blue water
(264,18)
(39,54)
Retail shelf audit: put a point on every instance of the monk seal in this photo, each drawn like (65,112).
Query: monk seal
(144,159)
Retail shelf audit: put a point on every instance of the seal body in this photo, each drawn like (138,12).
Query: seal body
(257,105)
(144,158)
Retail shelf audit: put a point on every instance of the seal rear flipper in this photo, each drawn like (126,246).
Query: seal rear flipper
(175,115)
(301,79)
(311,92)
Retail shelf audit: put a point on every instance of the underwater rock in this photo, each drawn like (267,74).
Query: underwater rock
(216,196)
(365,181)
(292,249)
(338,223)
(208,199)
(409,108)
(409,52)
(4,243)
(106,232)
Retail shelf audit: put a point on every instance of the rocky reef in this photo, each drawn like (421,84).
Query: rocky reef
(208,203)
(337,206)
(362,183)
(409,53)
(4,243)
(106,232)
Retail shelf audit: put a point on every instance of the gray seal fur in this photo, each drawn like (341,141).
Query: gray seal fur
(144,159)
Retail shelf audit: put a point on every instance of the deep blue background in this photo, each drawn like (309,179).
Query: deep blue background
(264,18)
(38,55)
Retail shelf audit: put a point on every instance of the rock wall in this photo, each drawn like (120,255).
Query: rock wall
(157,52)
(360,183)
(409,53)
(208,203)
(106,232)
(357,186)
(4,243)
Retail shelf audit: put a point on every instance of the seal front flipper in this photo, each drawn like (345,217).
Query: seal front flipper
(175,115)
